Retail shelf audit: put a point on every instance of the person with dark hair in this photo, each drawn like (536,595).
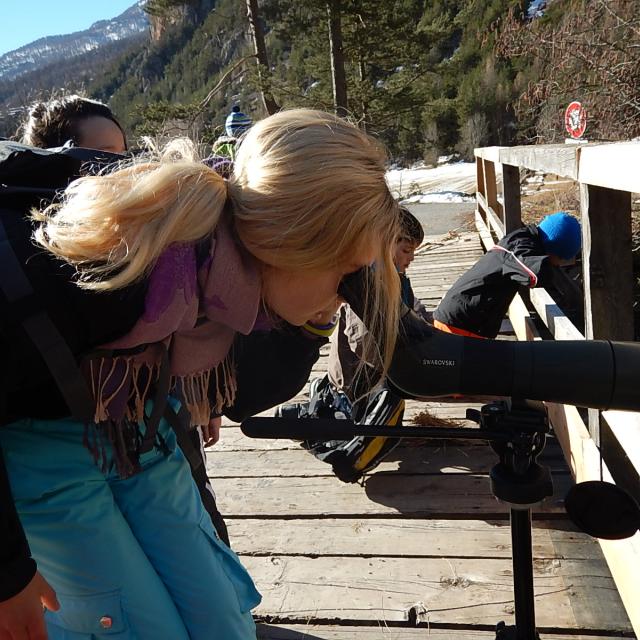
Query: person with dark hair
(525,258)
(90,124)
(75,121)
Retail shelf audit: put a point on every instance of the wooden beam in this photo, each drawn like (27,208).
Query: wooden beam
(521,320)
(607,268)
(380,631)
(381,537)
(491,186)
(583,458)
(484,231)
(496,222)
(560,326)
(480,176)
(625,426)
(488,153)
(511,197)
(611,165)
(386,495)
(561,159)
(607,263)
(490,215)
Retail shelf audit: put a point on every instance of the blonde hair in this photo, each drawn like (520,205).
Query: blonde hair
(308,189)
(113,227)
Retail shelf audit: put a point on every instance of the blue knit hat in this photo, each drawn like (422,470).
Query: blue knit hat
(237,123)
(560,234)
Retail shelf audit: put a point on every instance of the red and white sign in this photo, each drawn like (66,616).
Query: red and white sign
(575,120)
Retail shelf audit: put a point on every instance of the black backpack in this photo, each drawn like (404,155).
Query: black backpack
(37,295)
(46,321)
(349,459)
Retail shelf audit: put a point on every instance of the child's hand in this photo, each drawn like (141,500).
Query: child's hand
(211,432)
(22,617)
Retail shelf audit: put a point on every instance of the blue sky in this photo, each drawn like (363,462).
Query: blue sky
(22,22)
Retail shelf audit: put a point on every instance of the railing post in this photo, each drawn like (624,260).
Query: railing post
(490,186)
(512,214)
(480,186)
(607,269)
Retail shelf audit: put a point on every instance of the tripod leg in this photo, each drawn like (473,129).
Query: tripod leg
(523,574)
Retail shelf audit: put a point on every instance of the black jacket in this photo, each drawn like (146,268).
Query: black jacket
(479,299)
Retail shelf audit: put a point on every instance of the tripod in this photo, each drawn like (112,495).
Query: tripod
(516,431)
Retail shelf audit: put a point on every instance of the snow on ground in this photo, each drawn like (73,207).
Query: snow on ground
(439,196)
(452,183)
(445,183)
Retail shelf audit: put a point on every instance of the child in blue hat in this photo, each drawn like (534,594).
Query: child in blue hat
(478,301)
(236,124)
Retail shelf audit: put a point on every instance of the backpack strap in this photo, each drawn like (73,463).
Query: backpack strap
(43,333)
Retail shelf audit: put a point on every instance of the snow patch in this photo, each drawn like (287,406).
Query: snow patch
(459,178)
(439,197)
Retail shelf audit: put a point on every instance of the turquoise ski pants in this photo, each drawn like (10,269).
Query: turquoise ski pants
(129,559)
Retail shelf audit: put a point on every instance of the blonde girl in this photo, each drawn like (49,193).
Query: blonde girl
(172,261)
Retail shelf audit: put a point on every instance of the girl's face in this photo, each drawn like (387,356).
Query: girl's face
(405,254)
(308,296)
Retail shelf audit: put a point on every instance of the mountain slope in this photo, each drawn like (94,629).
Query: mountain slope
(52,49)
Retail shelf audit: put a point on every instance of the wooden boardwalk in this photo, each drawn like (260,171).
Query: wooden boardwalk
(421,548)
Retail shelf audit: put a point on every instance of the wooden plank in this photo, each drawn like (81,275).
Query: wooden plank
(480,175)
(495,222)
(611,165)
(398,537)
(385,632)
(511,197)
(607,263)
(625,426)
(491,186)
(523,325)
(607,270)
(560,159)
(383,494)
(416,460)
(449,591)
(491,216)
(462,260)
(560,326)
(488,153)
(484,232)
(583,458)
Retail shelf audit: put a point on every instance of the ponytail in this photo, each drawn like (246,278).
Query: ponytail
(113,227)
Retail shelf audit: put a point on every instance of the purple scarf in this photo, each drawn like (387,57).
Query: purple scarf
(191,316)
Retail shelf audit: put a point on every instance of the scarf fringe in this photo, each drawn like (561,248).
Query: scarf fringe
(117,422)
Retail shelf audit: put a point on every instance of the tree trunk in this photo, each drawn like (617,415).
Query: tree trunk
(257,35)
(337,58)
(362,71)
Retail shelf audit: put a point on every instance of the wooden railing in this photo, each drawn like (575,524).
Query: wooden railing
(608,442)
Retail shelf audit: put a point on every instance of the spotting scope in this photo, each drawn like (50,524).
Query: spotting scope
(598,374)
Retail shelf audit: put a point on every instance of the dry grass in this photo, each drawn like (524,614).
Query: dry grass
(539,200)
(426,419)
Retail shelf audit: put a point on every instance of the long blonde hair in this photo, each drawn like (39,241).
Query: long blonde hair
(307,190)
(113,227)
